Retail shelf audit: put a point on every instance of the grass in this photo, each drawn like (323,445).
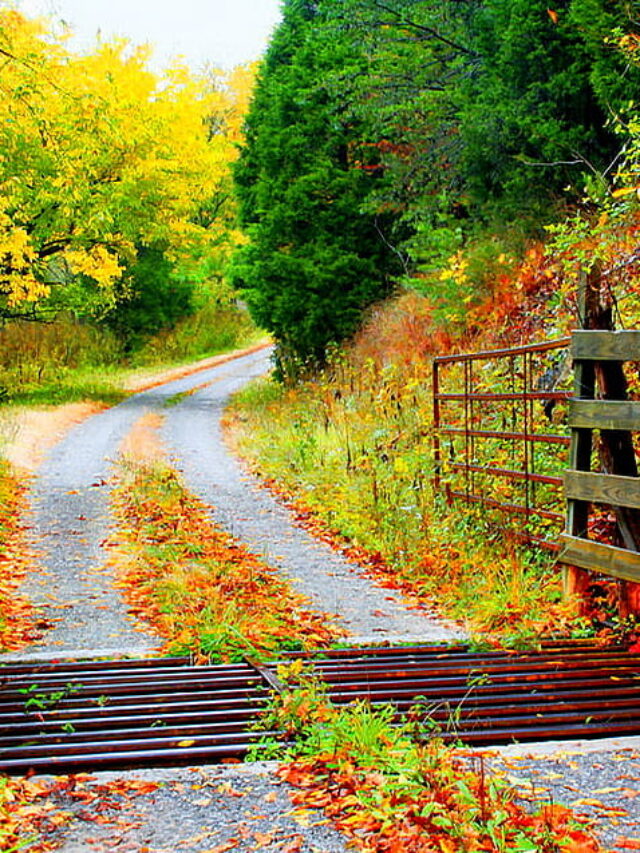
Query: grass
(391,785)
(205,593)
(69,361)
(16,615)
(352,448)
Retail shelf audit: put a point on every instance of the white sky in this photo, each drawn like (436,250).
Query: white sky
(221,33)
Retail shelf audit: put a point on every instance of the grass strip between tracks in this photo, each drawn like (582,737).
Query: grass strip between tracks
(200,588)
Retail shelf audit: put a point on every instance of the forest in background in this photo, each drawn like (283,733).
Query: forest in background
(420,179)
(117,214)
(400,144)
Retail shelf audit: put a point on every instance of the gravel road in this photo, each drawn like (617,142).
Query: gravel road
(70,523)
(233,808)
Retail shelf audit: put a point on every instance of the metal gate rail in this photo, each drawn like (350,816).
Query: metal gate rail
(111,714)
(503,449)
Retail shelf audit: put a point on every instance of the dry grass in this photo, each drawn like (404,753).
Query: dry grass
(29,433)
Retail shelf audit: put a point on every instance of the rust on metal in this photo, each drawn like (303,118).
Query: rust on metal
(72,716)
(108,714)
(470,417)
(563,691)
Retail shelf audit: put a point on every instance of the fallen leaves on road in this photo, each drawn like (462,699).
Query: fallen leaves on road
(201,589)
(18,625)
(34,811)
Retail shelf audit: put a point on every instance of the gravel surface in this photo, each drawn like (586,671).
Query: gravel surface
(239,808)
(243,808)
(70,523)
(246,808)
(192,432)
(599,779)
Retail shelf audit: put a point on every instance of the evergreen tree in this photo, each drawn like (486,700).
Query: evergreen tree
(315,260)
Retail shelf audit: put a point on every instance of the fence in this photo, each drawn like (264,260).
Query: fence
(506,450)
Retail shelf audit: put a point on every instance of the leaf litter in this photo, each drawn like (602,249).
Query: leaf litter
(204,591)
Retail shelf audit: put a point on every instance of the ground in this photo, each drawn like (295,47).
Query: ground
(218,809)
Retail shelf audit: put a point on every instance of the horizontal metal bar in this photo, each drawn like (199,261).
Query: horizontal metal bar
(517,509)
(540,438)
(101,666)
(507,473)
(543,731)
(528,396)
(140,758)
(546,346)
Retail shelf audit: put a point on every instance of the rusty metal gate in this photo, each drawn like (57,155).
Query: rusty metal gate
(505,450)
(61,717)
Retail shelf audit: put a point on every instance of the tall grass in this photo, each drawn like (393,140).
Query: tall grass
(211,330)
(69,360)
(354,444)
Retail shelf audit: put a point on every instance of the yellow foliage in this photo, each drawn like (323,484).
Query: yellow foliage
(456,269)
(98,155)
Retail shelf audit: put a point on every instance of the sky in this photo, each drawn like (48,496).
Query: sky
(221,33)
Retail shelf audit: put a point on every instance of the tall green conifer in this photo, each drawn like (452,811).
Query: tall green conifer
(314,259)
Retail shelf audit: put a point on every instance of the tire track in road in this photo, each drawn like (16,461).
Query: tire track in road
(70,522)
(70,500)
(193,433)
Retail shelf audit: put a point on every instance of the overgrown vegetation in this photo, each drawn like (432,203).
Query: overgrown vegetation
(397,787)
(424,141)
(353,447)
(70,360)
(17,625)
(205,592)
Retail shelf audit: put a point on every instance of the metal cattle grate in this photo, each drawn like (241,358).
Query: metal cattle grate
(106,714)
(571,691)
(62,717)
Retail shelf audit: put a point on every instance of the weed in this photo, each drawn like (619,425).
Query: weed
(389,783)
(37,701)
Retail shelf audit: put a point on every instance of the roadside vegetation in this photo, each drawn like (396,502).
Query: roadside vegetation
(397,787)
(18,624)
(450,136)
(69,361)
(204,592)
(352,447)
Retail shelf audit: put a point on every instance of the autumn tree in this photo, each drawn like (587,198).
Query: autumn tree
(483,111)
(102,162)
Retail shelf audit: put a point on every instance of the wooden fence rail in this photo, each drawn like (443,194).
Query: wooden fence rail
(465,463)
(584,488)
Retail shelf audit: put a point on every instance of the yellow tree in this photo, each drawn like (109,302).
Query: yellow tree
(98,157)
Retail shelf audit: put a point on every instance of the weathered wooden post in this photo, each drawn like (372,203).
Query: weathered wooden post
(599,354)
